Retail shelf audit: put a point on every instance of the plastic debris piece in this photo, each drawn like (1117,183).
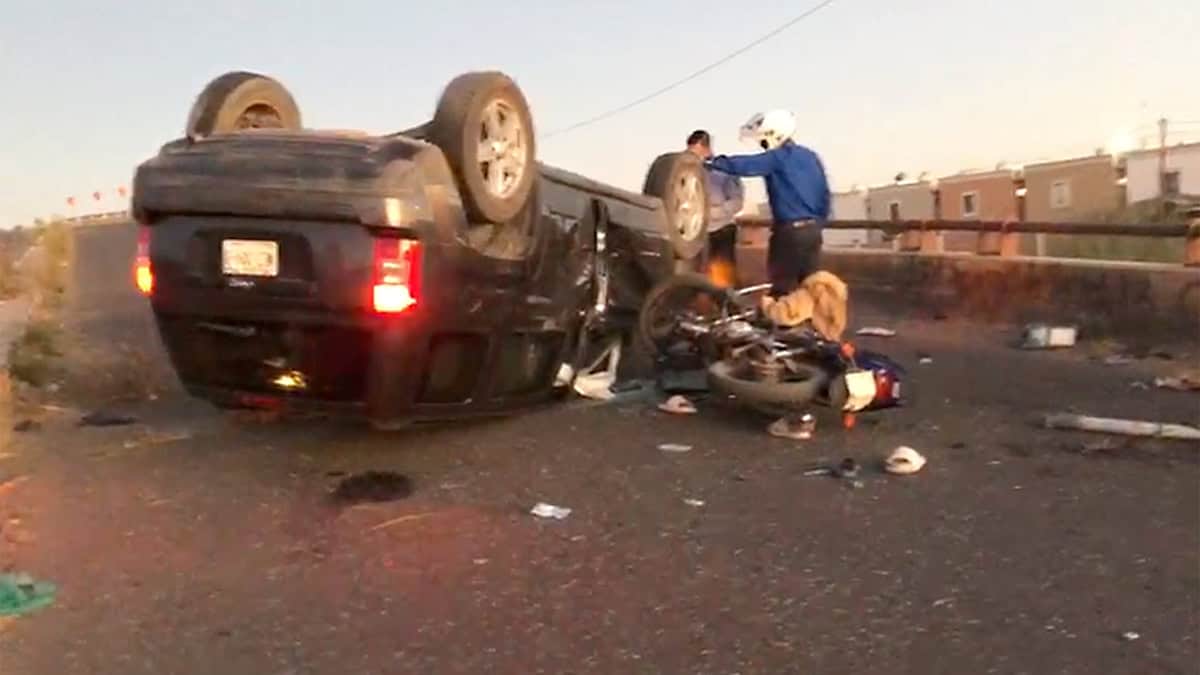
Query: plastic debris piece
(674,447)
(694,502)
(544,510)
(820,471)
(875,331)
(924,359)
(1043,336)
(20,594)
(678,405)
(1106,425)
(596,380)
(904,461)
(1130,636)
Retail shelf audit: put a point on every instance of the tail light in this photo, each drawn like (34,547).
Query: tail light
(143,273)
(397,275)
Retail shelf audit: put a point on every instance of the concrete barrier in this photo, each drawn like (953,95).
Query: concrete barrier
(1133,301)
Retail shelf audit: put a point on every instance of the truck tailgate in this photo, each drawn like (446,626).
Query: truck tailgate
(321,268)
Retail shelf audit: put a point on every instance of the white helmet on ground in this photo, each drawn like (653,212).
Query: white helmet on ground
(770,129)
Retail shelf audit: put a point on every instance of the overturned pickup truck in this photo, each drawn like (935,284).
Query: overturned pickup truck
(433,273)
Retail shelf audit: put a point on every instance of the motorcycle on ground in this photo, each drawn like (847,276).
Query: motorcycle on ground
(688,322)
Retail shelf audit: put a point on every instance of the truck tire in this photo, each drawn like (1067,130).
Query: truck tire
(484,127)
(241,100)
(723,378)
(679,180)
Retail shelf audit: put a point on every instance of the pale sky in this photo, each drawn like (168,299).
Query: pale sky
(91,88)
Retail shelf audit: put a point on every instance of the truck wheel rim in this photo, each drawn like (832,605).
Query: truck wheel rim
(689,206)
(502,147)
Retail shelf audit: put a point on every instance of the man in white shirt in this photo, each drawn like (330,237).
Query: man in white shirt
(725,196)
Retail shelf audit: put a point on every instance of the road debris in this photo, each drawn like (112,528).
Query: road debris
(678,405)
(674,447)
(1130,636)
(402,519)
(796,428)
(875,331)
(1186,382)
(544,510)
(20,594)
(1106,425)
(1043,336)
(596,380)
(694,502)
(1118,360)
(904,461)
(102,418)
(924,359)
(372,486)
(847,468)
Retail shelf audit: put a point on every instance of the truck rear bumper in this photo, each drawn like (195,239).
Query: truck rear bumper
(387,371)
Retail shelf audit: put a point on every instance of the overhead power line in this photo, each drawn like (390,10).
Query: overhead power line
(688,78)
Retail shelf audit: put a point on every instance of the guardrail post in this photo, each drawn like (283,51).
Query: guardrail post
(1191,255)
(1003,244)
(932,241)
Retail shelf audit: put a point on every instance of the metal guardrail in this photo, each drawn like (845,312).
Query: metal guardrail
(94,218)
(1001,237)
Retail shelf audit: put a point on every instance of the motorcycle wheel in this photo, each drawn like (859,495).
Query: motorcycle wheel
(665,302)
(797,389)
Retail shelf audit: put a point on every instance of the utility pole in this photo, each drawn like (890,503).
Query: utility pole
(1162,158)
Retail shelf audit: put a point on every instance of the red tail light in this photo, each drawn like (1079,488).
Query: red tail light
(397,275)
(143,273)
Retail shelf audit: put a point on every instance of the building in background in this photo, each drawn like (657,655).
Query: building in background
(1182,174)
(906,200)
(978,195)
(850,205)
(1072,189)
(902,200)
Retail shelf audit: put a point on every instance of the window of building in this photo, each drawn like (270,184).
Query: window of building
(1060,194)
(1171,183)
(894,211)
(970,204)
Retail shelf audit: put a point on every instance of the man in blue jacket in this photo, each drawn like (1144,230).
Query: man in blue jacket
(797,192)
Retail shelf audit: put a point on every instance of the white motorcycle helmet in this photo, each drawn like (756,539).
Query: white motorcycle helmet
(770,129)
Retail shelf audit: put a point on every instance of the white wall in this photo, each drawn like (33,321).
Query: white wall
(1141,171)
(847,206)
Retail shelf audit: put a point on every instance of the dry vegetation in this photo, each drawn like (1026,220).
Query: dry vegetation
(31,357)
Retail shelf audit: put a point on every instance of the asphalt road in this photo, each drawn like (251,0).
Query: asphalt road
(198,543)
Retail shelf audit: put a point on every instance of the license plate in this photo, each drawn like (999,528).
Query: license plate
(250,257)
